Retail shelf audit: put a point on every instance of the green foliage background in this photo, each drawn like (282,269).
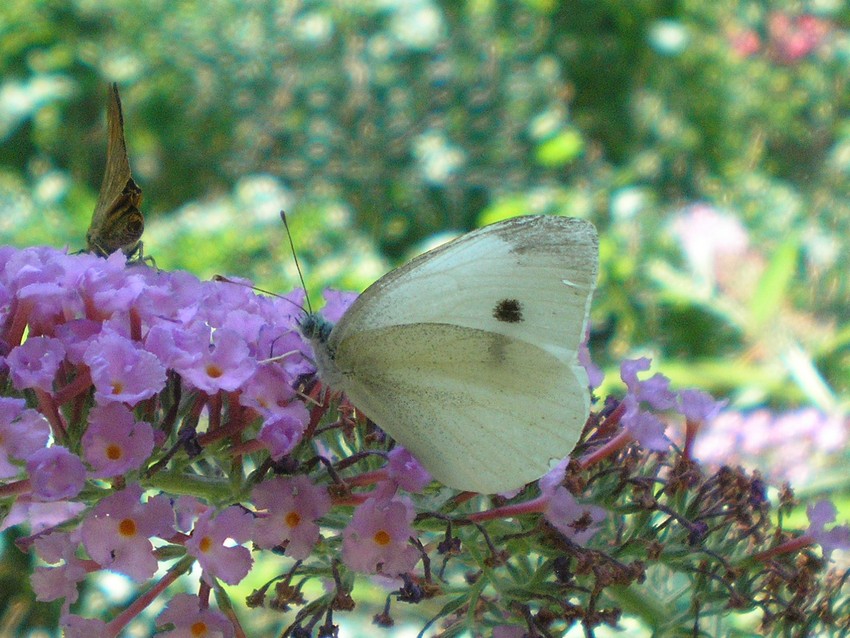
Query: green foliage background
(378,125)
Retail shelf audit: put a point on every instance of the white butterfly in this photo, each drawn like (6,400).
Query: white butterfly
(467,354)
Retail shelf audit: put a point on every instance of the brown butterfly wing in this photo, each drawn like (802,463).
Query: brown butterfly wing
(117,222)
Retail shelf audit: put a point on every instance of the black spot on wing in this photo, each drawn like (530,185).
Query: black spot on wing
(508,310)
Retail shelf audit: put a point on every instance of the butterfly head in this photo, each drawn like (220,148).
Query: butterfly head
(315,328)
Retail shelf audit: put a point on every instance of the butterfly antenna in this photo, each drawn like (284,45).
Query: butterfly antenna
(295,258)
(228,280)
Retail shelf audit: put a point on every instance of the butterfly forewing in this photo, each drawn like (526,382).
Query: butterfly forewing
(529,278)
(117,222)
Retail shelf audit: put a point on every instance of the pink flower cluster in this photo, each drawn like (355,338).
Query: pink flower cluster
(112,357)
(788,38)
(92,342)
(793,446)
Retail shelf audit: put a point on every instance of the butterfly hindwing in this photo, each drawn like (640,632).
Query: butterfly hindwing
(480,411)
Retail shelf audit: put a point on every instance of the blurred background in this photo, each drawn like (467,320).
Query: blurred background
(708,141)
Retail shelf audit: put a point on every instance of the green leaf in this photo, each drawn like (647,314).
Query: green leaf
(504,208)
(773,286)
(561,149)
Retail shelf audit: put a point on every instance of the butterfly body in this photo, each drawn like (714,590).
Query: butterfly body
(117,222)
(467,354)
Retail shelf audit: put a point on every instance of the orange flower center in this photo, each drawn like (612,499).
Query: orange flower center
(117,387)
(113,452)
(382,538)
(292,519)
(198,628)
(206,544)
(127,527)
(214,371)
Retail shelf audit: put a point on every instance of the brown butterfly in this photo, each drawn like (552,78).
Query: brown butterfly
(117,222)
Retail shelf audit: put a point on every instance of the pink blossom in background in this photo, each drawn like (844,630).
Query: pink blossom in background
(376,539)
(791,446)
(192,620)
(745,42)
(215,543)
(116,533)
(224,364)
(35,362)
(820,515)
(292,507)
(115,443)
(793,37)
(55,473)
(406,471)
(22,432)
(283,431)
(122,371)
(61,580)
(709,239)
(789,39)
